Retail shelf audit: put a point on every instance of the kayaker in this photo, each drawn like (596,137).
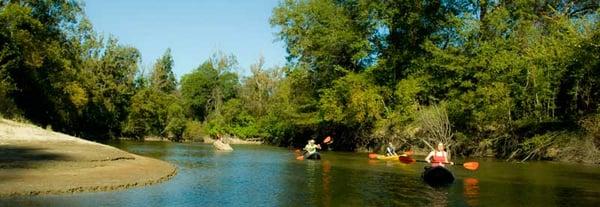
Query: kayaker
(390,150)
(311,147)
(440,156)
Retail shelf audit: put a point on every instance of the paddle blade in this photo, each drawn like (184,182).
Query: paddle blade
(406,160)
(471,165)
(372,155)
(327,139)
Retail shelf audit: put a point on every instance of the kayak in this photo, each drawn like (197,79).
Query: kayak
(313,156)
(438,176)
(385,157)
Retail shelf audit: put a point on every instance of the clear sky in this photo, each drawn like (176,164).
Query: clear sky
(193,29)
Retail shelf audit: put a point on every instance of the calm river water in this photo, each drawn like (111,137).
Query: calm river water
(271,176)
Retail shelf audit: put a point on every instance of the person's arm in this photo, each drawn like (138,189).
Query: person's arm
(428,158)
(318,146)
(446,158)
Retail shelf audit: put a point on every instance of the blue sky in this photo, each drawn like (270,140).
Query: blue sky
(193,29)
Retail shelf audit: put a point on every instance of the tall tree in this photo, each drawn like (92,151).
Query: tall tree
(205,89)
(258,89)
(109,80)
(162,77)
(325,35)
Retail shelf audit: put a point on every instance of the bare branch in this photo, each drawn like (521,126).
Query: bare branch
(435,125)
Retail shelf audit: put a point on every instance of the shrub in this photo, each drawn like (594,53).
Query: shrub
(193,131)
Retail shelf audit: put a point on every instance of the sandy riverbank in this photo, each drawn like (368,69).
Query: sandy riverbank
(37,161)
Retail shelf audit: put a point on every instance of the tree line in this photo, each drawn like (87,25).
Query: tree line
(515,79)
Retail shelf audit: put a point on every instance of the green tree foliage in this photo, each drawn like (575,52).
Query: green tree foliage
(156,109)
(205,89)
(292,112)
(109,73)
(38,61)
(59,72)
(510,75)
(162,77)
(247,115)
(516,79)
(176,121)
(147,114)
(257,90)
(353,102)
(505,69)
(325,35)
(193,131)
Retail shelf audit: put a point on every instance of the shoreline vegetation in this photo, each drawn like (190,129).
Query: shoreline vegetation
(205,140)
(515,79)
(36,161)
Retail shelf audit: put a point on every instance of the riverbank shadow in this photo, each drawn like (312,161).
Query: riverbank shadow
(14,160)
(13,156)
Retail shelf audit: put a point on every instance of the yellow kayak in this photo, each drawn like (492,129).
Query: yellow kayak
(384,157)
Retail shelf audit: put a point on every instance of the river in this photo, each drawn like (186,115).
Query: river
(256,175)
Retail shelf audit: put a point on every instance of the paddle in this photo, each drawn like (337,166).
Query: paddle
(466,165)
(327,140)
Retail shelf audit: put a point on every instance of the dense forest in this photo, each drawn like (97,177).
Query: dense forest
(516,79)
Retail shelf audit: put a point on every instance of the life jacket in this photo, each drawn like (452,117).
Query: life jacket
(310,148)
(438,159)
(390,150)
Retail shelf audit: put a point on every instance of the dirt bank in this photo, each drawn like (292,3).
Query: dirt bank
(37,161)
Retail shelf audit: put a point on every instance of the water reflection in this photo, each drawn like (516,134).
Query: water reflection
(326,180)
(437,196)
(312,178)
(373,162)
(471,191)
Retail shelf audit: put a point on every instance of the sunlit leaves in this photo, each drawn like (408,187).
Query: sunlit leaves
(205,89)
(353,100)
(162,77)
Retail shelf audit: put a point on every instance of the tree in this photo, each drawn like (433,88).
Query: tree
(109,82)
(355,104)
(39,60)
(176,121)
(156,109)
(205,89)
(151,111)
(257,90)
(325,35)
(162,77)
(435,126)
